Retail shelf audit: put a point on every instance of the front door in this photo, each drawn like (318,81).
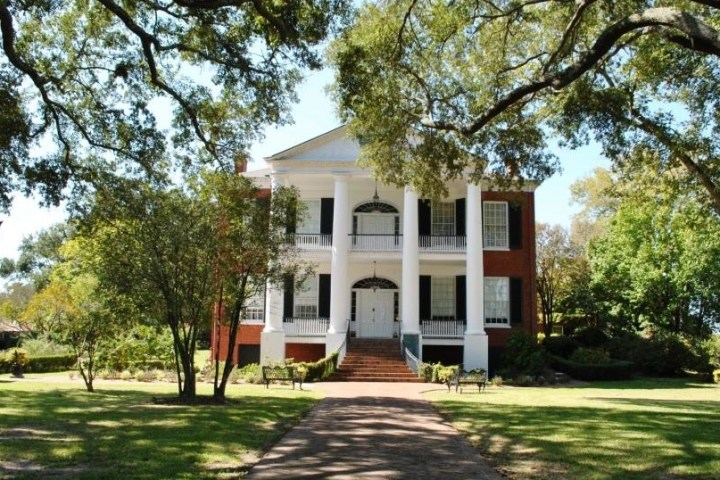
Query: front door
(375,313)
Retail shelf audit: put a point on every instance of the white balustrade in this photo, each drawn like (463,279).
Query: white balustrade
(442,328)
(376,243)
(313,241)
(306,327)
(442,243)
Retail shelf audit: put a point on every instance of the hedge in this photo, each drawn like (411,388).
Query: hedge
(616,370)
(42,364)
(320,370)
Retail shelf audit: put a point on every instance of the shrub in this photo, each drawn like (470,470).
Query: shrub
(497,381)
(591,356)
(716,376)
(615,370)
(712,347)
(591,337)
(560,346)
(320,370)
(51,363)
(43,347)
(523,356)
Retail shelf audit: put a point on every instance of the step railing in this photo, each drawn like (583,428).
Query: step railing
(412,361)
(442,328)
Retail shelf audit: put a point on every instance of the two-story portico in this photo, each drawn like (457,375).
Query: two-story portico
(449,278)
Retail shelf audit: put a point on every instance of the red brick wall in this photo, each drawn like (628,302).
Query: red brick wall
(305,352)
(247,335)
(516,263)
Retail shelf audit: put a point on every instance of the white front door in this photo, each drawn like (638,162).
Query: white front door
(375,313)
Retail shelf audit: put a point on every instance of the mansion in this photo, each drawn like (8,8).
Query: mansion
(449,279)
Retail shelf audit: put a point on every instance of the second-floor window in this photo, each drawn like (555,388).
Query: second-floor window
(443,219)
(495,224)
(311,220)
(255,307)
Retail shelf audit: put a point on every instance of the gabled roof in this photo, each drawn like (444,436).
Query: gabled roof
(334,145)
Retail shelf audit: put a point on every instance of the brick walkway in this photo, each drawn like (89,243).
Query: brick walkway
(373,430)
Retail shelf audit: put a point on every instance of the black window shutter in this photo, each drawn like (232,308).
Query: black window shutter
(460,217)
(324,296)
(288,296)
(424,218)
(460,298)
(425,309)
(515,226)
(326,215)
(291,218)
(516,308)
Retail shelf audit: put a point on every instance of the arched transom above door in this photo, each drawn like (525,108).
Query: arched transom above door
(375,207)
(375,283)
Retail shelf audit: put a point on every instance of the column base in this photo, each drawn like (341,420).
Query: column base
(272,347)
(475,351)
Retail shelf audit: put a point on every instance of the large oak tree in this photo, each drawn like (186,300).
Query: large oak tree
(437,88)
(82,80)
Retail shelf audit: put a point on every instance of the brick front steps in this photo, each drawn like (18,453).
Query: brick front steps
(372,360)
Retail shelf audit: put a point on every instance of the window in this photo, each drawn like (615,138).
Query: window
(255,307)
(443,218)
(495,224)
(443,298)
(311,219)
(306,299)
(497,301)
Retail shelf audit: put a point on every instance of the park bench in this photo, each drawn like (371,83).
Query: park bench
(473,377)
(280,374)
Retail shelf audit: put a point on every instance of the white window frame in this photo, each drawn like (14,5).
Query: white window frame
(306,298)
(497,302)
(442,302)
(496,230)
(255,308)
(311,221)
(442,219)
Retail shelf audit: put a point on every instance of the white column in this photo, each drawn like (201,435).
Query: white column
(339,306)
(410,265)
(476,341)
(272,338)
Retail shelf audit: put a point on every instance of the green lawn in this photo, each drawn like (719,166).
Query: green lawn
(663,429)
(58,430)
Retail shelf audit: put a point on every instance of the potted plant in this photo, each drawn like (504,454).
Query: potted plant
(18,360)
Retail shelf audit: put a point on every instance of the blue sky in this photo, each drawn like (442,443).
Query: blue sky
(313,115)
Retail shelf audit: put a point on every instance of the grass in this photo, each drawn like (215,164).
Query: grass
(663,429)
(58,430)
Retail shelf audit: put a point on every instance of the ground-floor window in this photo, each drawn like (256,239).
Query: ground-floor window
(306,299)
(497,300)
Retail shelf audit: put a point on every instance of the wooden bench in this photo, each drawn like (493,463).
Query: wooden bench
(280,374)
(473,377)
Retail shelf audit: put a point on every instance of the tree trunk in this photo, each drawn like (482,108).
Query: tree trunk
(234,324)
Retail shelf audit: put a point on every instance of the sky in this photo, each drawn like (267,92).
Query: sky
(314,115)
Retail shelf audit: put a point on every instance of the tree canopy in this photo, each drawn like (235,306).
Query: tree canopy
(437,88)
(79,79)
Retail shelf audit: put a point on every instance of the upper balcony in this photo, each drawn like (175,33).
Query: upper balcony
(381,243)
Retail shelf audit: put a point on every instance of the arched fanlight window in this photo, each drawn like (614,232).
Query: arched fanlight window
(375,283)
(375,207)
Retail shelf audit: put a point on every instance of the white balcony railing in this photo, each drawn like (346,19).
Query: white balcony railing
(306,327)
(442,328)
(312,241)
(375,243)
(442,243)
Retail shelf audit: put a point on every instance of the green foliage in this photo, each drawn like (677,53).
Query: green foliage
(43,346)
(561,346)
(497,381)
(51,363)
(591,356)
(320,370)
(661,355)
(15,356)
(437,372)
(591,337)
(522,355)
(142,346)
(612,370)
(80,85)
(712,347)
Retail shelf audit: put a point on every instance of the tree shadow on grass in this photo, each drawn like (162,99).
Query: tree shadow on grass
(598,443)
(647,383)
(124,434)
